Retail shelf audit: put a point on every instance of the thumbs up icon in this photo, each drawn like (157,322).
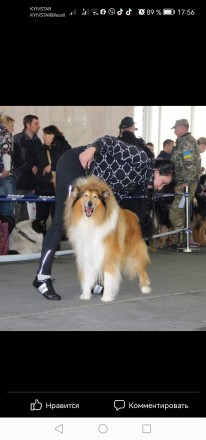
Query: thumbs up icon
(36,406)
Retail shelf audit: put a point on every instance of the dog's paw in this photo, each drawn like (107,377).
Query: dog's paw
(86,296)
(145,289)
(107,298)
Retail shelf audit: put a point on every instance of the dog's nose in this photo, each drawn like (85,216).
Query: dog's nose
(89,204)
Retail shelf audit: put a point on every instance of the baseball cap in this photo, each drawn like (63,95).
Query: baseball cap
(181,122)
(127,122)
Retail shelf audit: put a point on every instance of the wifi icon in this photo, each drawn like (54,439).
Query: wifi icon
(95,11)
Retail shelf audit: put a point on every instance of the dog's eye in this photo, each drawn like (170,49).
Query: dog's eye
(94,196)
(85,195)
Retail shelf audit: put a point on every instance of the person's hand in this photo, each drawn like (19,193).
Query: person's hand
(47,169)
(86,157)
(4,174)
(194,201)
(34,170)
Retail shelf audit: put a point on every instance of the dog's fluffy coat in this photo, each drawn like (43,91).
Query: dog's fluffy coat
(106,239)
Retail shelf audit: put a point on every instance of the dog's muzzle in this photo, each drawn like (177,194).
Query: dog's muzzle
(88,209)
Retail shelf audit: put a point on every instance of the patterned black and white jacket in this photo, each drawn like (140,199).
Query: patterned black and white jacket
(123,166)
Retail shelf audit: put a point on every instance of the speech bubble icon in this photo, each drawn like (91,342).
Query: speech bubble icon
(119,404)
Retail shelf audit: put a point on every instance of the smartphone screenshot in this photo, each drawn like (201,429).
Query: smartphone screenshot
(84,383)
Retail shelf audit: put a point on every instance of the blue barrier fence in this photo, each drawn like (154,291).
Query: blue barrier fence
(35,199)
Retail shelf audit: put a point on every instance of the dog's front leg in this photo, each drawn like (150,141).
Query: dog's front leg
(87,283)
(111,285)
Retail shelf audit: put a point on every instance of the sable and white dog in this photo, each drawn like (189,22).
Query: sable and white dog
(27,236)
(106,238)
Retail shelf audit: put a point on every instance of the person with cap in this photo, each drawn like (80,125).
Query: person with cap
(126,134)
(140,206)
(187,162)
(123,166)
(127,124)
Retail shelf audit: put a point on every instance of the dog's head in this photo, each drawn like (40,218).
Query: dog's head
(92,198)
(39,226)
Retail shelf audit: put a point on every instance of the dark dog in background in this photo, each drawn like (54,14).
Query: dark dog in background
(199,225)
(27,236)
(161,215)
(199,213)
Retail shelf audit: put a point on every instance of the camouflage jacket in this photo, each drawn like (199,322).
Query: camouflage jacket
(187,159)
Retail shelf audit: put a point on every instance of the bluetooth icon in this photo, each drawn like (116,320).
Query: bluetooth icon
(141,11)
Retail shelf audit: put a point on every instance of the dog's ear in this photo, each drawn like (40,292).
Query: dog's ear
(106,194)
(75,192)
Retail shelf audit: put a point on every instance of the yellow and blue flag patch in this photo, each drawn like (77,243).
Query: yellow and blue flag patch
(187,154)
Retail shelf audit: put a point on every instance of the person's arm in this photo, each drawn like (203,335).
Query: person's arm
(191,163)
(19,153)
(105,143)
(86,157)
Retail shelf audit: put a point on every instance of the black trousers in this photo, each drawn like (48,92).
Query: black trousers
(68,169)
(44,209)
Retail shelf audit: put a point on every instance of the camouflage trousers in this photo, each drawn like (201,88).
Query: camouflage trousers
(176,214)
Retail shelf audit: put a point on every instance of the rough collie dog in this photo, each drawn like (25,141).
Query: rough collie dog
(106,239)
(27,236)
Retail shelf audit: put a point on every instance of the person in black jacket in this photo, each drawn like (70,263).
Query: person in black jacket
(26,146)
(140,206)
(49,153)
(126,134)
(168,146)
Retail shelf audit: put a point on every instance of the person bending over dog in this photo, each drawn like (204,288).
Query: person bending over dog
(120,165)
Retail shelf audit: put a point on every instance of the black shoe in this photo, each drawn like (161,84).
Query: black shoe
(45,287)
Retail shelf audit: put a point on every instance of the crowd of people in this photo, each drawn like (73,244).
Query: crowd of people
(125,162)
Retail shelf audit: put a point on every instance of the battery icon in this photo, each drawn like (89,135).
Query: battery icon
(168,11)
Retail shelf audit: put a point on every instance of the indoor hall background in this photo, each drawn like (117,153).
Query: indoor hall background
(156,122)
(83,124)
(80,125)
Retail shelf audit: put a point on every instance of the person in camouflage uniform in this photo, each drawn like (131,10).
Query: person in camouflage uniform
(187,161)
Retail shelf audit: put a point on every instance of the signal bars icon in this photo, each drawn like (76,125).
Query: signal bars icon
(74,12)
(85,12)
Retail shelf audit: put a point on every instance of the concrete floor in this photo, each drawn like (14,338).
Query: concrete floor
(177,301)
